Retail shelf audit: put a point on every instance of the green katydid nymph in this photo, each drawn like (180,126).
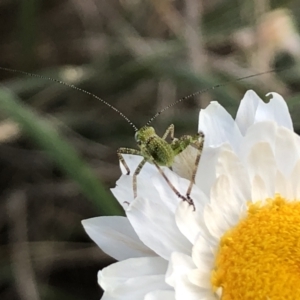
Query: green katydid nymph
(153,148)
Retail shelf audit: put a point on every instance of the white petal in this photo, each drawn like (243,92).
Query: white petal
(123,192)
(253,110)
(160,295)
(276,110)
(132,162)
(259,191)
(230,165)
(287,149)
(206,173)
(121,279)
(259,132)
(223,201)
(190,222)
(116,237)
(261,162)
(218,126)
(156,227)
(166,196)
(135,267)
(108,297)
(203,253)
(294,180)
(124,189)
(283,186)
(179,264)
(186,290)
(184,162)
(180,267)
(169,198)
(246,113)
(200,278)
(215,222)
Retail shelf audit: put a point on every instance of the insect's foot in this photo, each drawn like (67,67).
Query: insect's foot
(189,200)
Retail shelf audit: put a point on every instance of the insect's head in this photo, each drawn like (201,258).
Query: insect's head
(143,134)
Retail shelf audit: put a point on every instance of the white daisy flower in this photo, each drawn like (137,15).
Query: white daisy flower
(243,239)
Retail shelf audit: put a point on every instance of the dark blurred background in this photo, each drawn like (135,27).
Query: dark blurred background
(139,56)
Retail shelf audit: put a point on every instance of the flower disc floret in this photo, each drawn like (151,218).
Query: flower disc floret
(260,257)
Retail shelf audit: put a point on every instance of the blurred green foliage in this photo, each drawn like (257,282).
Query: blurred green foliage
(139,56)
(66,157)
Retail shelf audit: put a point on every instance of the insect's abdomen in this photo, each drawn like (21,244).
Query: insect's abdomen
(161,151)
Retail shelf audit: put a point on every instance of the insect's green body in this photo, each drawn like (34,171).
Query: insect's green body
(156,150)
(154,147)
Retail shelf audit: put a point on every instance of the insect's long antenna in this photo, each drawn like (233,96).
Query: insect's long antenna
(75,88)
(206,90)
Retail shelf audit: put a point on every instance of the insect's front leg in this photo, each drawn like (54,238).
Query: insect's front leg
(137,170)
(135,174)
(121,151)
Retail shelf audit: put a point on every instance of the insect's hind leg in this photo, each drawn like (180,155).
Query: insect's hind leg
(188,200)
(199,145)
(179,145)
(170,130)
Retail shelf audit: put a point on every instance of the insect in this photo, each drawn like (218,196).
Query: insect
(154,149)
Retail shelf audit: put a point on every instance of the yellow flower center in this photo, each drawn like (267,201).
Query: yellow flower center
(259,259)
